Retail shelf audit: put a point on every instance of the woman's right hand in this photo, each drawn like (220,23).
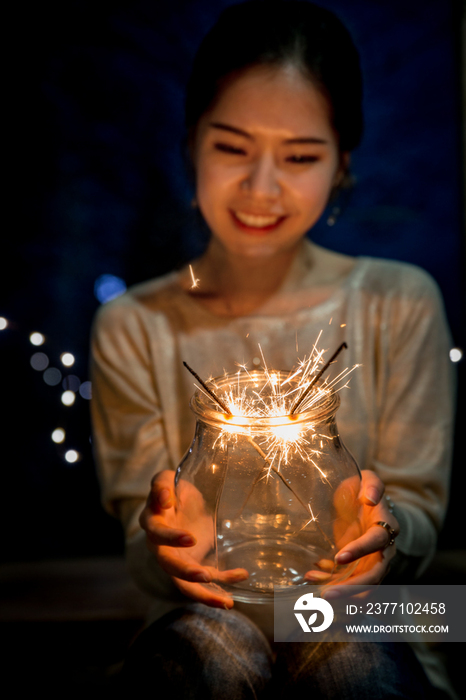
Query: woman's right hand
(179,550)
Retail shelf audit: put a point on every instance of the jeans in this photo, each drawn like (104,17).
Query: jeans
(201,652)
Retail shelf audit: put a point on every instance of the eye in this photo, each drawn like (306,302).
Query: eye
(302,159)
(227,148)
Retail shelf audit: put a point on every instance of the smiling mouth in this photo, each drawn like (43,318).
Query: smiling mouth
(257,221)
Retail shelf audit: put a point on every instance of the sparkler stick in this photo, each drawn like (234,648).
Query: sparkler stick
(301,398)
(275,470)
(223,406)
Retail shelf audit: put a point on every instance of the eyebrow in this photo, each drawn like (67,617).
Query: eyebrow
(241,132)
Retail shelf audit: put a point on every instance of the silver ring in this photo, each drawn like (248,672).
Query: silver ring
(391,532)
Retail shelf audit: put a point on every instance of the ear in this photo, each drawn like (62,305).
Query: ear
(343,171)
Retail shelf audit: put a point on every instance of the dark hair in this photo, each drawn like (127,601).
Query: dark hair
(276,33)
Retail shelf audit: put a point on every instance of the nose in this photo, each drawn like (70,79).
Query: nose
(262,178)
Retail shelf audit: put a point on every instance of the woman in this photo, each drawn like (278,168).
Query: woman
(273,111)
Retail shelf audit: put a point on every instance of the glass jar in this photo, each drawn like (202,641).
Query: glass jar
(271,499)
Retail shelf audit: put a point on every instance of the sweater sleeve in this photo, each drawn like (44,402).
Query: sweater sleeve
(129,432)
(416,418)
(128,425)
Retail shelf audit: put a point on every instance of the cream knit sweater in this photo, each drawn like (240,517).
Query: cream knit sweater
(396,416)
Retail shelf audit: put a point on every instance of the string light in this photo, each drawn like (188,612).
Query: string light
(67,359)
(52,376)
(37,338)
(456,354)
(58,436)
(39,361)
(68,398)
(85,390)
(71,382)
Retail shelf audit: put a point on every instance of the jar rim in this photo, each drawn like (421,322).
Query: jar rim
(205,408)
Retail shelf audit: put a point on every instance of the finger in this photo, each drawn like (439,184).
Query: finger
(186,568)
(368,578)
(160,534)
(160,497)
(372,488)
(229,576)
(203,594)
(373,540)
(324,571)
(317,576)
(162,493)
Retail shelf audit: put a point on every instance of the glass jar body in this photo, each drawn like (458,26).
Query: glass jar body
(274,495)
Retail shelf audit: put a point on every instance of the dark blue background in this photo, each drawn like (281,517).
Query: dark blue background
(101,188)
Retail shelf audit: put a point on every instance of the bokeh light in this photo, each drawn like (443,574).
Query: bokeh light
(71,382)
(39,361)
(67,359)
(72,456)
(86,390)
(107,287)
(58,435)
(52,376)
(3,323)
(456,354)
(37,338)
(68,398)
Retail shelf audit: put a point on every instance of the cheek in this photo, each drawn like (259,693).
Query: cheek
(213,183)
(314,190)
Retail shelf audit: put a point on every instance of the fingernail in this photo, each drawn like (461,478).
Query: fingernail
(201,577)
(164,497)
(372,495)
(344,557)
(186,541)
(330,595)
(317,575)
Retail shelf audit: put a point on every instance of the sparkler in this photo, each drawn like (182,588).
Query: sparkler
(209,391)
(270,400)
(195,280)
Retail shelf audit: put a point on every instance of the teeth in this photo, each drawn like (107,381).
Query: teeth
(257,221)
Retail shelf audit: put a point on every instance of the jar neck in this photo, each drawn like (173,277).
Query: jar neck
(258,404)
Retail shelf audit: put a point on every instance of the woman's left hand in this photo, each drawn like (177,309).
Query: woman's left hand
(372,547)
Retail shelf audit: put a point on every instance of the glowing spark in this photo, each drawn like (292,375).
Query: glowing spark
(324,476)
(195,280)
(313,518)
(267,395)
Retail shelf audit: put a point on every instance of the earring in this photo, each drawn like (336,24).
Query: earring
(333,217)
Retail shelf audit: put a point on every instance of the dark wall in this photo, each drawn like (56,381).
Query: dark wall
(100,187)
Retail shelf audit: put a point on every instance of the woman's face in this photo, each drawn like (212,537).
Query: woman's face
(266,159)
